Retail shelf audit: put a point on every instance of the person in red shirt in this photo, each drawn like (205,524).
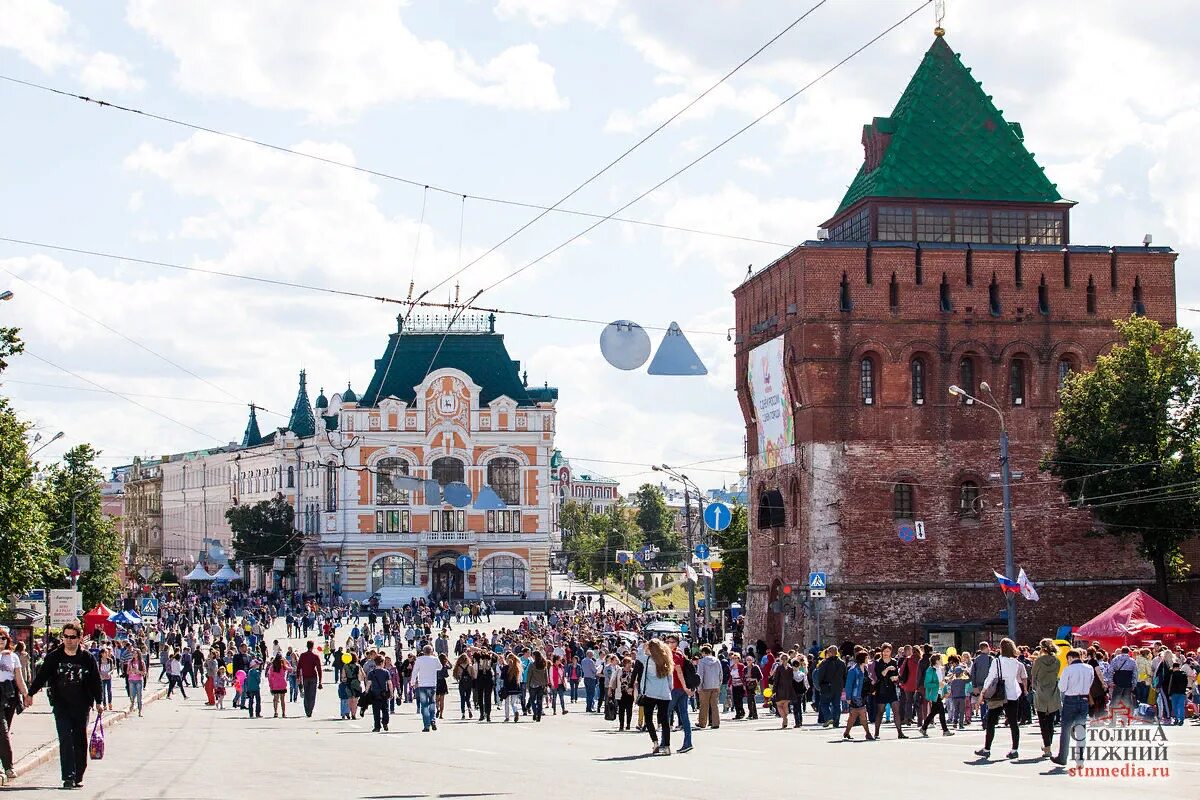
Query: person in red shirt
(309,674)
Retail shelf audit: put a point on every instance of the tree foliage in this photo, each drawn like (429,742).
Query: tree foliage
(657,522)
(26,557)
(730,581)
(1127,439)
(592,540)
(265,531)
(76,481)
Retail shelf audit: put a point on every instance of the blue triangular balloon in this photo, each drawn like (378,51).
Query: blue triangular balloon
(433,492)
(488,500)
(675,356)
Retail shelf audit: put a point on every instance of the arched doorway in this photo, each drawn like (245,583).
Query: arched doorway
(446,580)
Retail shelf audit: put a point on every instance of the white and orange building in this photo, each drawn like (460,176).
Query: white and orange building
(443,405)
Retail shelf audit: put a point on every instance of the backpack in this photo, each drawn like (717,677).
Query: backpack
(725,672)
(691,678)
(1123,679)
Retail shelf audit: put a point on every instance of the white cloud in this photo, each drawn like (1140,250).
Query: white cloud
(548,13)
(107,71)
(332,61)
(41,33)
(754,164)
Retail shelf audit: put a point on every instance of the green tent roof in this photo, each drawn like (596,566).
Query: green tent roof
(946,140)
(409,357)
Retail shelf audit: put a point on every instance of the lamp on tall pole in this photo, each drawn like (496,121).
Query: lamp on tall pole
(6,295)
(49,442)
(1006,489)
(688,485)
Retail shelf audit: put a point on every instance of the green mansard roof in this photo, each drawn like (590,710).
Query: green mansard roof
(482,356)
(946,140)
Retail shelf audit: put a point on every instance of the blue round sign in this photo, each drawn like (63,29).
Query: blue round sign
(463,562)
(906,533)
(702,551)
(717,516)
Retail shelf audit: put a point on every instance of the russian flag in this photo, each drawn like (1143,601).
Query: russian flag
(1007,584)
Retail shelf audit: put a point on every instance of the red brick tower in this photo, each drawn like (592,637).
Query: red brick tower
(947,262)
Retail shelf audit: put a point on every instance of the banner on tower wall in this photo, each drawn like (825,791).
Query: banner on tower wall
(772,405)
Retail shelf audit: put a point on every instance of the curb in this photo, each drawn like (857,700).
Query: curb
(49,751)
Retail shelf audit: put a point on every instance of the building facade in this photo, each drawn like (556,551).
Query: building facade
(948,262)
(446,406)
(195,494)
(142,514)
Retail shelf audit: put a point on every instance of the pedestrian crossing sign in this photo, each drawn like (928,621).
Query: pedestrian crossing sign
(148,606)
(817,581)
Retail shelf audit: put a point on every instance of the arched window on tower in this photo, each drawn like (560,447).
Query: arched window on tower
(770,509)
(866,380)
(1065,367)
(447,470)
(902,501)
(504,476)
(917,372)
(1017,373)
(966,377)
(968,499)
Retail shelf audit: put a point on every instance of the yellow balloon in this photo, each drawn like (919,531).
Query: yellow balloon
(346,658)
(229,668)
(951,651)
(767,692)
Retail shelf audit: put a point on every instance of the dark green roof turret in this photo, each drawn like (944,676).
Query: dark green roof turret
(322,400)
(302,422)
(252,437)
(349,396)
(946,140)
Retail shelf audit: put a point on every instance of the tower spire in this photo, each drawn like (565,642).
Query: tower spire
(252,437)
(302,422)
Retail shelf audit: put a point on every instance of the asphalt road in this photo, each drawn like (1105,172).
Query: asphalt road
(181,749)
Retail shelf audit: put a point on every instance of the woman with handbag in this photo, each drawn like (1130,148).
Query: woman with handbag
(856,679)
(1005,683)
(14,697)
(655,693)
(625,702)
(783,693)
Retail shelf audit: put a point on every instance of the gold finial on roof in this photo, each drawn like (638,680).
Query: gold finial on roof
(939,12)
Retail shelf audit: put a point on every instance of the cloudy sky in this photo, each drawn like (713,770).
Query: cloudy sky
(511,99)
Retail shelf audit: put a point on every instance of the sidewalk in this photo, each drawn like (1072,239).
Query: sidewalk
(35,740)
(560,583)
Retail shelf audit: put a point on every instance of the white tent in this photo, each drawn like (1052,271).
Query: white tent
(198,574)
(226,574)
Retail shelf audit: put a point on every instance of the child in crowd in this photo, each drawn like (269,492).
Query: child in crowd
(219,681)
(958,694)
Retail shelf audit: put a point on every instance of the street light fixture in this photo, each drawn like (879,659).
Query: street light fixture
(51,441)
(688,485)
(6,295)
(1006,489)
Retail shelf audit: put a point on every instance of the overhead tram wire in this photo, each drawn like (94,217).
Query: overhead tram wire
(138,344)
(124,397)
(377,173)
(133,394)
(325,289)
(713,149)
(632,148)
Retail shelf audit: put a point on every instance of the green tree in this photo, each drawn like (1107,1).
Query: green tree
(25,549)
(657,522)
(10,345)
(730,581)
(1139,411)
(77,523)
(265,531)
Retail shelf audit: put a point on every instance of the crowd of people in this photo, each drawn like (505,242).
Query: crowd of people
(608,660)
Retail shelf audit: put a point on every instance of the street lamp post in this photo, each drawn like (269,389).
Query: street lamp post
(1006,491)
(6,295)
(687,511)
(51,441)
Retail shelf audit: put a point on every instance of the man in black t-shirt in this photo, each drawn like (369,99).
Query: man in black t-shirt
(73,680)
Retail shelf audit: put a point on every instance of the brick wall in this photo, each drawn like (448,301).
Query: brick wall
(849,454)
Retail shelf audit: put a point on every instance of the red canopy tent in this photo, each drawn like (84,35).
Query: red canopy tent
(1137,619)
(98,618)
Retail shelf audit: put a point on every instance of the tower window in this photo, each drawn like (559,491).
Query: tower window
(1045,227)
(994,297)
(902,501)
(966,377)
(933,225)
(1091,295)
(968,499)
(1016,381)
(970,225)
(894,294)
(895,224)
(844,302)
(1139,307)
(917,372)
(866,380)
(1065,368)
(770,509)
(1043,297)
(1008,227)
(1066,270)
(944,296)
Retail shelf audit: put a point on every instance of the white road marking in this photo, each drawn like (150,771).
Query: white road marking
(658,775)
(484,752)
